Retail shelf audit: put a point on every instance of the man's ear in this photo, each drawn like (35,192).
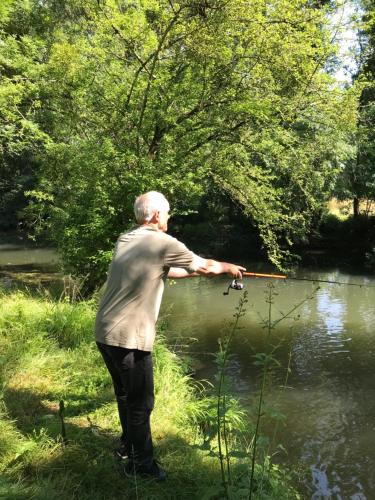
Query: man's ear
(155,218)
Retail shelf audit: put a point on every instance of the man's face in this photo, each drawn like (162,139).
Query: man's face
(163,220)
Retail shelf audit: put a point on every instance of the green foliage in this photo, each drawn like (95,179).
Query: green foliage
(358,176)
(182,97)
(351,239)
(22,136)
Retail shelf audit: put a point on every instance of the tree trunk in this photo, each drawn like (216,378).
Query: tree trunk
(355,207)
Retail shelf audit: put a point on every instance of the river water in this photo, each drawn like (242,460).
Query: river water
(24,264)
(329,397)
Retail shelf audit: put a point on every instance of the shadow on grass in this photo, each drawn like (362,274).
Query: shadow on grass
(85,468)
(30,409)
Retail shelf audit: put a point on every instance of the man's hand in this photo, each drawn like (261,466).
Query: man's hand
(235,271)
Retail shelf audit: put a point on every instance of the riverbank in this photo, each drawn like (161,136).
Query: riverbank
(334,240)
(48,356)
(346,241)
(337,240)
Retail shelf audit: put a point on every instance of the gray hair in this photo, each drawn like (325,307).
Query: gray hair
(147,204)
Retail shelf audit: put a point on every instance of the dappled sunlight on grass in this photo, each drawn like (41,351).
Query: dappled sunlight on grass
(49,356)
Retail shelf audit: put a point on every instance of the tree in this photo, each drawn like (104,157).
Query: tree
(358,177)
(177,96)
(21,136)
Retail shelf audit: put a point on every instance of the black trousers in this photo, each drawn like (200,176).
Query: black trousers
(132,375)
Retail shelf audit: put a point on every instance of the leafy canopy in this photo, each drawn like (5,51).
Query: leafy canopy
(175,96)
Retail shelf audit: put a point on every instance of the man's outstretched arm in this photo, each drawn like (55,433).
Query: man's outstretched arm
(209,267)
(179,272)
(214,267)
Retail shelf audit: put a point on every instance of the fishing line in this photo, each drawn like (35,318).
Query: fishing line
(237,285)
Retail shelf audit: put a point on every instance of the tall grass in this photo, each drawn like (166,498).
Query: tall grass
(222,400)
(258,471)
(47,355)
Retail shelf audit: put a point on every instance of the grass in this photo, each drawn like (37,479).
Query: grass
(47,355)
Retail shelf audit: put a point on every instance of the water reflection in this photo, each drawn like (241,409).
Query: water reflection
(330,399)
(331,310)
(11,255)
(22,264)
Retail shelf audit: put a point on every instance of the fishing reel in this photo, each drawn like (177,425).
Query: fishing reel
(235,285)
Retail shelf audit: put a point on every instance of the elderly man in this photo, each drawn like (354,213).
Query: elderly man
(125,325)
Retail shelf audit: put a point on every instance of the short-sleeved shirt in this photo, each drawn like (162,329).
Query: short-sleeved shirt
(130,305)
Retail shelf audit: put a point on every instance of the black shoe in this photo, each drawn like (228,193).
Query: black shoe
(121,453)
(154,471)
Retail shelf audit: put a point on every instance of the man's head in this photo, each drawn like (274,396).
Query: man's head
(152,208)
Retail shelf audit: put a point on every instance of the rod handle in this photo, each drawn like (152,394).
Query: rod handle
(258,275)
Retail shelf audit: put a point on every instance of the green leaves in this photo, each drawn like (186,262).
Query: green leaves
(115,98)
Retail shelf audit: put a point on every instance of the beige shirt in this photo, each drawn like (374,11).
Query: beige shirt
(130,305)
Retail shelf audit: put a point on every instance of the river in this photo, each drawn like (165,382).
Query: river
(28,265)
(328,401)
(329,398)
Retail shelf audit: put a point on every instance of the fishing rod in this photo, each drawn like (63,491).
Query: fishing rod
(237,285)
